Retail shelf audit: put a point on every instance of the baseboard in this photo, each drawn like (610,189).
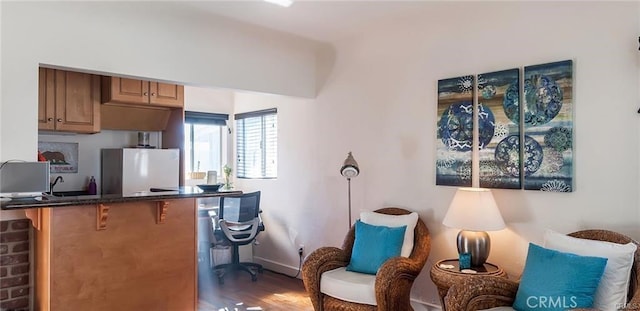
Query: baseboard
(277,267)
(291,271)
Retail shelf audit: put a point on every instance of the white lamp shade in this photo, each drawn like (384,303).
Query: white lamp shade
(474,209)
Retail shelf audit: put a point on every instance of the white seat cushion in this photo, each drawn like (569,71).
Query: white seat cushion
(349,286)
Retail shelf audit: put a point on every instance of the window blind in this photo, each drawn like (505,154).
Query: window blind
(257,144)
(195,117)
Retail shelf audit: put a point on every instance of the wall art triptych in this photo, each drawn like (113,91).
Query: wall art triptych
(543,162)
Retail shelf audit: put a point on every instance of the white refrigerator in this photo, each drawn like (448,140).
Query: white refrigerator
(134,171)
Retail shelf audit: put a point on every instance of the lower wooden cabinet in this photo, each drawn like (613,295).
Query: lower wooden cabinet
(122,256)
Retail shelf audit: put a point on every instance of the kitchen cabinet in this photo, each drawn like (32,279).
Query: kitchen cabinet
(68,101)
(116,256)
(140,92)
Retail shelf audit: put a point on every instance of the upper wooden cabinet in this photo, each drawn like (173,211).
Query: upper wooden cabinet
(133,91)
(68,101)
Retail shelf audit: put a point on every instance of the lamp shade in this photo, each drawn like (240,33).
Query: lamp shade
(474,209)
(350,167)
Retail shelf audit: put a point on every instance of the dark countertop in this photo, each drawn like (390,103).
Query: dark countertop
(53,201)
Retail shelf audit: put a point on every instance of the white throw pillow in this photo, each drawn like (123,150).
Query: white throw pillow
(393,221)
(614,285)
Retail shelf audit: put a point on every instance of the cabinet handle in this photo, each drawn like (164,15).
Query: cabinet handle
(59,120)
(146,94)
(153,94)
(49,119)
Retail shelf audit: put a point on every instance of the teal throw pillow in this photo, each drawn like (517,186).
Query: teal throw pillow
(373,246)
(554,280)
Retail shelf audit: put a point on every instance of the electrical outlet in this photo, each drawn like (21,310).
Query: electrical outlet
(301,250)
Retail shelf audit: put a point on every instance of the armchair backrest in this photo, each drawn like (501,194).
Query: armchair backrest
(421,239)
(610,236)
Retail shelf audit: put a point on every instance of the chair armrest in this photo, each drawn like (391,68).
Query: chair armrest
(634,304)
(481,293)
(399,267)
(319,261)
(393,282)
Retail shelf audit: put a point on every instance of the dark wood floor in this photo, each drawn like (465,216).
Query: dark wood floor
(271,291)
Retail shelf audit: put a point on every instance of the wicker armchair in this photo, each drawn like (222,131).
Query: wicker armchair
(393,281)
(490,292)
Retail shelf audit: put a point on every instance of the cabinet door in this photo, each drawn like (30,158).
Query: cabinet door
(77,102)
(46,99)
(165,94)
(131,91)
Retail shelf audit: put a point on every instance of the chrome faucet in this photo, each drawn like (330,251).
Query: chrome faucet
(55,181)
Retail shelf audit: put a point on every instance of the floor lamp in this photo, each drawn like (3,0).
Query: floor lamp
(350,170)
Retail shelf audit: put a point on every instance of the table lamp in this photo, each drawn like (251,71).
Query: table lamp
(474,211)
(349,170)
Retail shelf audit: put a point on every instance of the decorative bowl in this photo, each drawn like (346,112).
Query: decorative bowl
(210,188)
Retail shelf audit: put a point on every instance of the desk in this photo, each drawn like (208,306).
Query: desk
(444,278)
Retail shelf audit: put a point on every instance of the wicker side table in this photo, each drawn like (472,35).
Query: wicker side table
(444,278)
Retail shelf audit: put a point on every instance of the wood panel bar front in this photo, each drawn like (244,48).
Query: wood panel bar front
(134,263)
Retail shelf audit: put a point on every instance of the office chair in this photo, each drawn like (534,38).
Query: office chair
(240,223)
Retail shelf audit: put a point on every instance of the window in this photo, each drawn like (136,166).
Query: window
(204,141)
(257,144)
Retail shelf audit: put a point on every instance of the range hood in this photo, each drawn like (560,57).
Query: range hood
(133,118)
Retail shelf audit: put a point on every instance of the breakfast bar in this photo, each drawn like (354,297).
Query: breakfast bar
(115,252)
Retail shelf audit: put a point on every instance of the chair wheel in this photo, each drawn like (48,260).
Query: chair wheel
(254,278)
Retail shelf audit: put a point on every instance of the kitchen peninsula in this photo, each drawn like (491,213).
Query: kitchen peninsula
(115,252)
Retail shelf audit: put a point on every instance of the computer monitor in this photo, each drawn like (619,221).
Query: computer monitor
(24,178)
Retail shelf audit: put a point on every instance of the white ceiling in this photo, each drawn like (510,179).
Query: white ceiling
(321,20)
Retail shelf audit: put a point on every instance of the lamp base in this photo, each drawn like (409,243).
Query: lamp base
(477,243)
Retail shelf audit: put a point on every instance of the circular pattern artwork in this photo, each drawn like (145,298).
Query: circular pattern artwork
(543,99)
(552,162)
(486,125)
(456,126)
(555,186)
(533,155)
(558,138)
(511,104)
(488,91)
(507,155)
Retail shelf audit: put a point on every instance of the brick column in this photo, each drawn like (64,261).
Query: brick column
(14,265)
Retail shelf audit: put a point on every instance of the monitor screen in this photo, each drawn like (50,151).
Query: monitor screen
(24,177)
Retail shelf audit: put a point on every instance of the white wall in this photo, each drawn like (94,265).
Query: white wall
(380,103)
(162,40)
(213,100)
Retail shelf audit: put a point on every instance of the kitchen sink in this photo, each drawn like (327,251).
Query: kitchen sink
(70,193)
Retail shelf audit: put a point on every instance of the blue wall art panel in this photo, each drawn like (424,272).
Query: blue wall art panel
(548,127)
(455,131)
(499,129)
